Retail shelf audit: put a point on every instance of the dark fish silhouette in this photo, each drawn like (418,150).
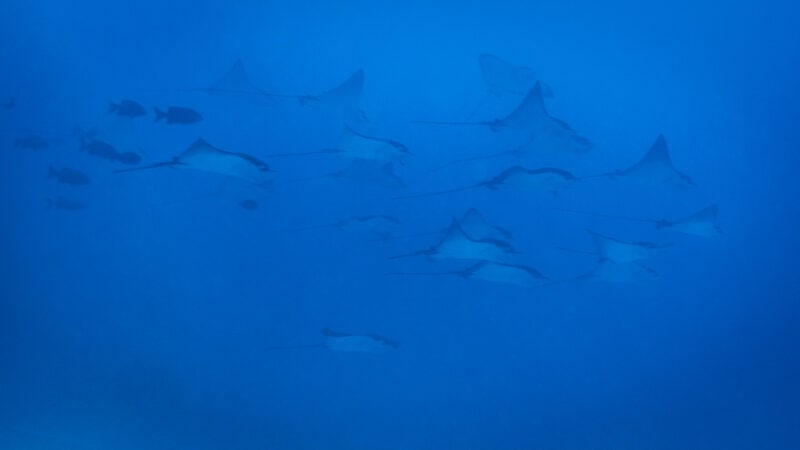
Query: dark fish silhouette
(31,142)
(178,115)
(104,150)
(126,108)
(65,203)
(69,176)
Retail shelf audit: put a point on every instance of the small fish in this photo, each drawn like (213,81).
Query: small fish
(104,150)
(31,142)
(126,108)
(178,115)
(64,203)
(100,149)
(69,176)
(249,204)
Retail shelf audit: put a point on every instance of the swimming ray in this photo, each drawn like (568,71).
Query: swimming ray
(656,167)
(457,244)
(504,78)
(532,117)
(236,83)
(345,97)
(619,251)
(543,179)
(355,145)
(627,273)
(474,224)
(345,342)
(702,223)
(493,271)
(204,157)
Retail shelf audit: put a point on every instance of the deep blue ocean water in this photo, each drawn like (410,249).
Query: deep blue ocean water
(155,310)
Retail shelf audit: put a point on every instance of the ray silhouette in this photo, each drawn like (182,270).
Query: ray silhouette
(702,223)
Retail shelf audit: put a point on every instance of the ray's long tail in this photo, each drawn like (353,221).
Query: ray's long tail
(151,166)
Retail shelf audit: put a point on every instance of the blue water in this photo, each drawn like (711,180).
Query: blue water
(149,317)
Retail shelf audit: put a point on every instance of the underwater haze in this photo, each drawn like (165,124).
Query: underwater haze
(399,225)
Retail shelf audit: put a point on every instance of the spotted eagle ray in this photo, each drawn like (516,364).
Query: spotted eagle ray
(532,117)
(503,78)
(656,167)
(345,342)
(702,223)
(547,179)
(235,83)
(355,145)
(497,272)
(457,244)
(203,156)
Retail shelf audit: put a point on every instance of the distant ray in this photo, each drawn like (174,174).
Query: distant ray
(493,271)
(355,145)
(474,224)
(503,78)
(367,343)
(627,273)
(532,117)
(620,251)
(345,342)
(236,83)
(380,224)
(546,179)
(457,244)
(701,223)
(656,167)
(345,98)
(203,156)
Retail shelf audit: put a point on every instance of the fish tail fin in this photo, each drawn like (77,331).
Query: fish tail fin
(112,107)
(159,114)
